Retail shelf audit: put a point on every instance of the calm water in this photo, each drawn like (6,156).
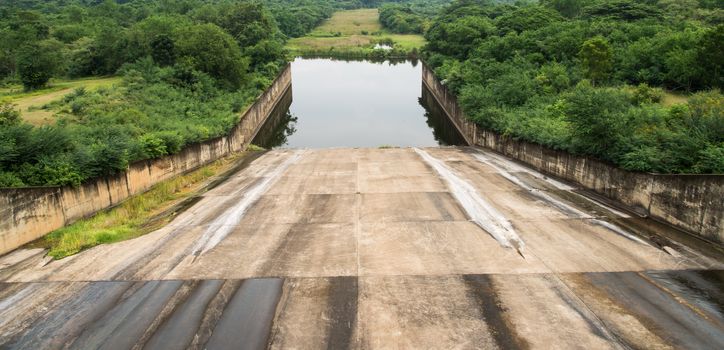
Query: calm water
(335,103)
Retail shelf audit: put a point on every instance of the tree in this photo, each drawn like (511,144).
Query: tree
(627,10)
(597,58)
(527,18)
(163,50)
(249,23)
(568,8)
(458,37)
(214,52)
(597,117)
(35,66)
(709,56)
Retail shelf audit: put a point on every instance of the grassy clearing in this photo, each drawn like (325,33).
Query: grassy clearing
(136,216)
(32,103)
(671,98)
(352,32)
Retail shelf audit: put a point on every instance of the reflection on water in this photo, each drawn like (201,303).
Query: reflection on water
(278,126)
(443,130)
(341,103)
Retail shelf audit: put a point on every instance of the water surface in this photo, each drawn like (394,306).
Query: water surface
(337,103)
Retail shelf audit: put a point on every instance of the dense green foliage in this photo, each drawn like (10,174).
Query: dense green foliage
(589,76)
(412,16)
(189,67)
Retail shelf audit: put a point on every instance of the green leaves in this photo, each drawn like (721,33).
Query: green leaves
(596,57)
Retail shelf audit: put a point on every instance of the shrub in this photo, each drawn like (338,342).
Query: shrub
(8,114)
(643,93)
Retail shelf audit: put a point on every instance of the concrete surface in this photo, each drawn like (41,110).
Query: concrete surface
(375,249)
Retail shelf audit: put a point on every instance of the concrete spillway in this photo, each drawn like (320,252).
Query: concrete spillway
(375,248)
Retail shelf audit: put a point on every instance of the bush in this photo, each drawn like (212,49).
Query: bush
(50,171)
(645,94)
(9,115)
(10,179)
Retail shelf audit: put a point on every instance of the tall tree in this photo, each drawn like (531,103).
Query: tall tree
(597,58)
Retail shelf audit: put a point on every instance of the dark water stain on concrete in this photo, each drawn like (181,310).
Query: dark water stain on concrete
(482,291)
(342,308)
(659,310)
(294,241)
(595,325)
(703,289)
(178,331)
(436,200)
(62,325)
(247,319)
(122,326)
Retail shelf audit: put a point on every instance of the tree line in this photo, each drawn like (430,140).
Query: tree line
(592,77)
(410,16)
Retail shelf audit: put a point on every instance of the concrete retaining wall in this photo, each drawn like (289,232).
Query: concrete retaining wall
(693,203)
(29,213)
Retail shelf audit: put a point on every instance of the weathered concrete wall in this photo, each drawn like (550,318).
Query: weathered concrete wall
(29,213)
(691,202)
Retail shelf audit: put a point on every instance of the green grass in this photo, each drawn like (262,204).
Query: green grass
(671,98)
(134,217)
(32,103)
(355,33)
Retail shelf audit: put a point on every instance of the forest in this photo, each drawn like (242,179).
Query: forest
(634,83)
(413,16)
(188,68)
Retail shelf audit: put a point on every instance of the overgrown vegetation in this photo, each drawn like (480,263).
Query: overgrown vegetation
(188,68)
(589,76)
(134,217)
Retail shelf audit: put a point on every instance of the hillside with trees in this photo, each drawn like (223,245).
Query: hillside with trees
(635,83)
(188,68)
(413,16)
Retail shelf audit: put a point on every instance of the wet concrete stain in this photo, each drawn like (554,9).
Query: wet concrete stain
(178,331)
(294,241)
(247,319)
(701,288)
(62,325)
(482,290)
(594,325)
(436,200)
(659,311)
(342,308)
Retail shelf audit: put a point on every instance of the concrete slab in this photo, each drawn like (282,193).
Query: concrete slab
(573,245)
(314,184)
(410,207)
(396,184)
(420,312)
(436,248)
(295,250)
(301,208)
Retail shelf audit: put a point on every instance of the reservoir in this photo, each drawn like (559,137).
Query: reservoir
(340,103)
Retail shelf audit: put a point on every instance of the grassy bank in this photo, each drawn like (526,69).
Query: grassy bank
(354,33)
(32,104)
(139,214)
